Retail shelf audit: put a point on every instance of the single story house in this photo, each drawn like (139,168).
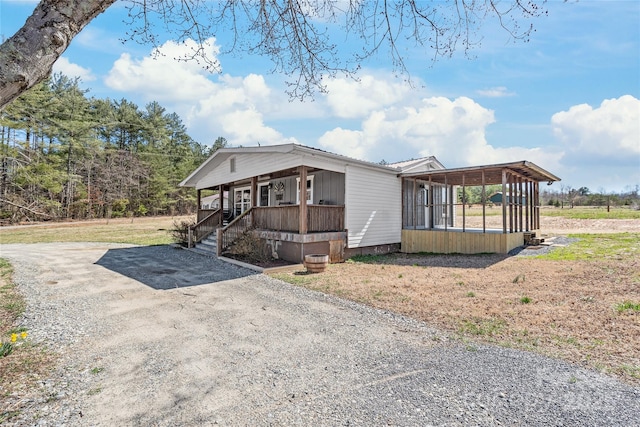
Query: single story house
(350,206)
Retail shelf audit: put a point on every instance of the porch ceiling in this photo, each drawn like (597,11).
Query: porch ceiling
(472,176)
(271,176)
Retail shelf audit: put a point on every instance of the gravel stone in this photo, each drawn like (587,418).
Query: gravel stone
(164,337)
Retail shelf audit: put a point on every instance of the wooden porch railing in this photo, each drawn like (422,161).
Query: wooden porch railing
(204,226)
(229,234)
(277,218)
(281,218)
(203,213)
(320,218)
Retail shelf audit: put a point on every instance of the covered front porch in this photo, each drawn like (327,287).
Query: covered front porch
(289,222)
(435,209)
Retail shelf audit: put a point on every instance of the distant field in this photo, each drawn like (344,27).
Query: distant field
(139,231)
(582,212)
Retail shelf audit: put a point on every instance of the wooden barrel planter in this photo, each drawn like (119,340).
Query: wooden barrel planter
(316,263)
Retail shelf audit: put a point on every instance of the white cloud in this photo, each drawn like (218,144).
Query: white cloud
(356,99)
(164,75)
(609,132)
(69,69)
(495,92)
(451,130)
(602,144)
(210,105)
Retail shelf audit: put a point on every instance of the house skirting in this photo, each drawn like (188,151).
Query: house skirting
(293,246)
(469,242)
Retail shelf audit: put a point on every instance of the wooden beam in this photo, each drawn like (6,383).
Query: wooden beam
(504,201)
(254,191)
(221,195)
(302,225)
(414,214)
(198,198)
(484,205)
(430,197)
(464,222)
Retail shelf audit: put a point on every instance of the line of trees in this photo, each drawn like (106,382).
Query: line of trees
(568,196)
(67,155)
(565,196)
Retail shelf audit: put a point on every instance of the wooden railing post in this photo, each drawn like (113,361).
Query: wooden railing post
(190,243)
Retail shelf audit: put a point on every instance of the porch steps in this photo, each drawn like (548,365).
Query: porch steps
(530,239)
(208,246)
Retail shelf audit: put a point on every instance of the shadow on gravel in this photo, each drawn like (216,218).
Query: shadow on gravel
(165,267)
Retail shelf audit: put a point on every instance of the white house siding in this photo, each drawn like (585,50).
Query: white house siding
(373,214)
(255,164)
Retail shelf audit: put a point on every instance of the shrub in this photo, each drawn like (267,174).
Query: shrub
(180,231)
(250,248)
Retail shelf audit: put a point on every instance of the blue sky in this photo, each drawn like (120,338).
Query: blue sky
(568,100)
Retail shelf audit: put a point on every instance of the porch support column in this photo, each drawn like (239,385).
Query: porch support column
(504,201)
(446,202)
(221,199)
(254,191)
(464,202)
(536,206)
(520,205)
(414,218)
(510,198)
(527,202)
(302,225)
(484,205)
(198,204)
(430,202)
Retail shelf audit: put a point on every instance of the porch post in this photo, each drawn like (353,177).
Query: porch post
(198,197)
(520,205)
(302,224)
(430,202)
(504,201)
(464,200)
(221,198)
(254,191)
(484,205)
(414,218)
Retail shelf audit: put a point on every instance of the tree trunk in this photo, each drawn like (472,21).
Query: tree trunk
(27,57)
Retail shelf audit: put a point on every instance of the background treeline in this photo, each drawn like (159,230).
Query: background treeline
(67,155)
(564,196)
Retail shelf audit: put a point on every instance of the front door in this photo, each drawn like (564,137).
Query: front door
(241,200)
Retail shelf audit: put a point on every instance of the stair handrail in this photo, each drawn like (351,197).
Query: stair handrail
(229,234)
(204,227)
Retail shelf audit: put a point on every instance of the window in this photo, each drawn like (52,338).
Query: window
(264,194)
(309,190)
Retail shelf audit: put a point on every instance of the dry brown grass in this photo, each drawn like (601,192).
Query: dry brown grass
(22,369)
(564,309)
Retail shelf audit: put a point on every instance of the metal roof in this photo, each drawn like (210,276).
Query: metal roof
(473,175)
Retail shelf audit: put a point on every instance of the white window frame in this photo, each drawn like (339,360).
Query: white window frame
(260,185)
(309,199)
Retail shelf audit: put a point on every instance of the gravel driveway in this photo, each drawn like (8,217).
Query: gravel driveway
(161,336)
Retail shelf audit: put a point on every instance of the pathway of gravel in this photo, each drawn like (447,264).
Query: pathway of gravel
(159,336)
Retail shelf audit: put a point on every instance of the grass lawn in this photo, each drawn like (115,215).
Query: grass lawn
(580,303)
(139,231)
